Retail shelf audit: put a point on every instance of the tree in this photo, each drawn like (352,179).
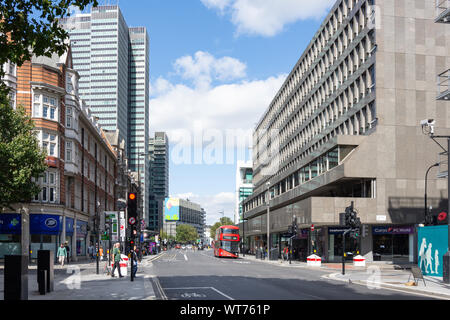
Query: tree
(224,221)
(30,27)
(186,233)
(21,158)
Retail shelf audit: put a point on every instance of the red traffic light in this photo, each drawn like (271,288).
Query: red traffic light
(132,196)
(442,216)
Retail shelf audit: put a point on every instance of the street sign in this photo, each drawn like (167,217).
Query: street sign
(132,220)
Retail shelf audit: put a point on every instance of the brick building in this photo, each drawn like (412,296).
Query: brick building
(82,165)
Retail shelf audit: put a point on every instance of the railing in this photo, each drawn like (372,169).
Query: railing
(443,83)
(443,11)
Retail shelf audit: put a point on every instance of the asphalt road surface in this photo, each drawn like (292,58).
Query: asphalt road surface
(198,275)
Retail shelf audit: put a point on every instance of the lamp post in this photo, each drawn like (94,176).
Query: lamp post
(428,128)
(426,180)
(268,218)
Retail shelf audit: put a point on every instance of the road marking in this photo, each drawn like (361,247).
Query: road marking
(158,287)
(185,257)
(193,288)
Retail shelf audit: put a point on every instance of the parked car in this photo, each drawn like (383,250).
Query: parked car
(178,246)
(183,247)
(189,246)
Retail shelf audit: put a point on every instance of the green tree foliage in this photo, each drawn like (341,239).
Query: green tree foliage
(224,221)
(30,27)
(21,158)
(186,233)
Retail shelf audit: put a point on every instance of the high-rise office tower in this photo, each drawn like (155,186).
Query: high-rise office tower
(112,60)
(159,179)
(345,127)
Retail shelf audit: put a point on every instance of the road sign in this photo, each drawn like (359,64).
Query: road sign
(132,220)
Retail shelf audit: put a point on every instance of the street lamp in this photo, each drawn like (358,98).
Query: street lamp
(428,128)
(268,218)
(426,179)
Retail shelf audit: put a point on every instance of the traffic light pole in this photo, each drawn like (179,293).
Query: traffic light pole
(343,250)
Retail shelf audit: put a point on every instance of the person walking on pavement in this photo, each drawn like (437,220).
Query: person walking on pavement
(68,251)
(117,259)
(91,251)
(134,262)
(61,254)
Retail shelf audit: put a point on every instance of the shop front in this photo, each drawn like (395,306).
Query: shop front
(69,233)
(300,245)
(336,244)
(44,233)
(393,243)
(81,237)
(10,229)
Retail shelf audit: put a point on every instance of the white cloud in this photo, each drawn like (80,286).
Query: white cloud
(176,107)
(204,68)
(213,204)
(216,4)
(268,17)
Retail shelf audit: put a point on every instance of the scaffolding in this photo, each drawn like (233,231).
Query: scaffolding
(442,11)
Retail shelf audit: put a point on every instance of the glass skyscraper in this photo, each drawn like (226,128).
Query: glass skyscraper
(113,62)
(159,178)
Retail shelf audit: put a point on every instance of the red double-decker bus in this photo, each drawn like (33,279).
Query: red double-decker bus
(226,242)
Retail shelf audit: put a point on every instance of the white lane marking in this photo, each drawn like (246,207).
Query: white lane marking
(159,287)
(193,288)
(185,257)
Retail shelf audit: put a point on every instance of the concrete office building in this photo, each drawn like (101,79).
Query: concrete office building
(190,213)
(112,60)
(158,160)
(347,120)
(244,186)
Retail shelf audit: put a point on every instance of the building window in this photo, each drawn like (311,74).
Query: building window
(48,187)
(69,119)
(69,151)
(49,143)
(45,106)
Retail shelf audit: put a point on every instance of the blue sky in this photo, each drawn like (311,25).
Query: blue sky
(215,65)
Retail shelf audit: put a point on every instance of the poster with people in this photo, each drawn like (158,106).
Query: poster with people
(432,245)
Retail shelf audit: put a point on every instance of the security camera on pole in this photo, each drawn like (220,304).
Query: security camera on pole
(428,128)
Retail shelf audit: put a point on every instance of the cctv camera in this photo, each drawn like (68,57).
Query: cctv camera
(427,122)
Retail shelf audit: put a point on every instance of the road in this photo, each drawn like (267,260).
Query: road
(198,275)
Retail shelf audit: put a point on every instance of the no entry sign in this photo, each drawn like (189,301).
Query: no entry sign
(132,220)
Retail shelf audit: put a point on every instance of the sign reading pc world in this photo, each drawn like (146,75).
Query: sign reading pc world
(172,209)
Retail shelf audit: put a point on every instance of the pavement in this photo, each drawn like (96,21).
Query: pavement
(374,275)
(80,281)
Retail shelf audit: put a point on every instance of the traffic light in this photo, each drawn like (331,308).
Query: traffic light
(132,205)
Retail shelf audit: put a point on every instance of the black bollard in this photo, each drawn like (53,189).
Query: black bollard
(45,262)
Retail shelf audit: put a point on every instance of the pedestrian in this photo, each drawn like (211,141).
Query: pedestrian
(116,258)
(285,253)
(68,251)
(91,251)
(134,262)
(61,254)
(101,253)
